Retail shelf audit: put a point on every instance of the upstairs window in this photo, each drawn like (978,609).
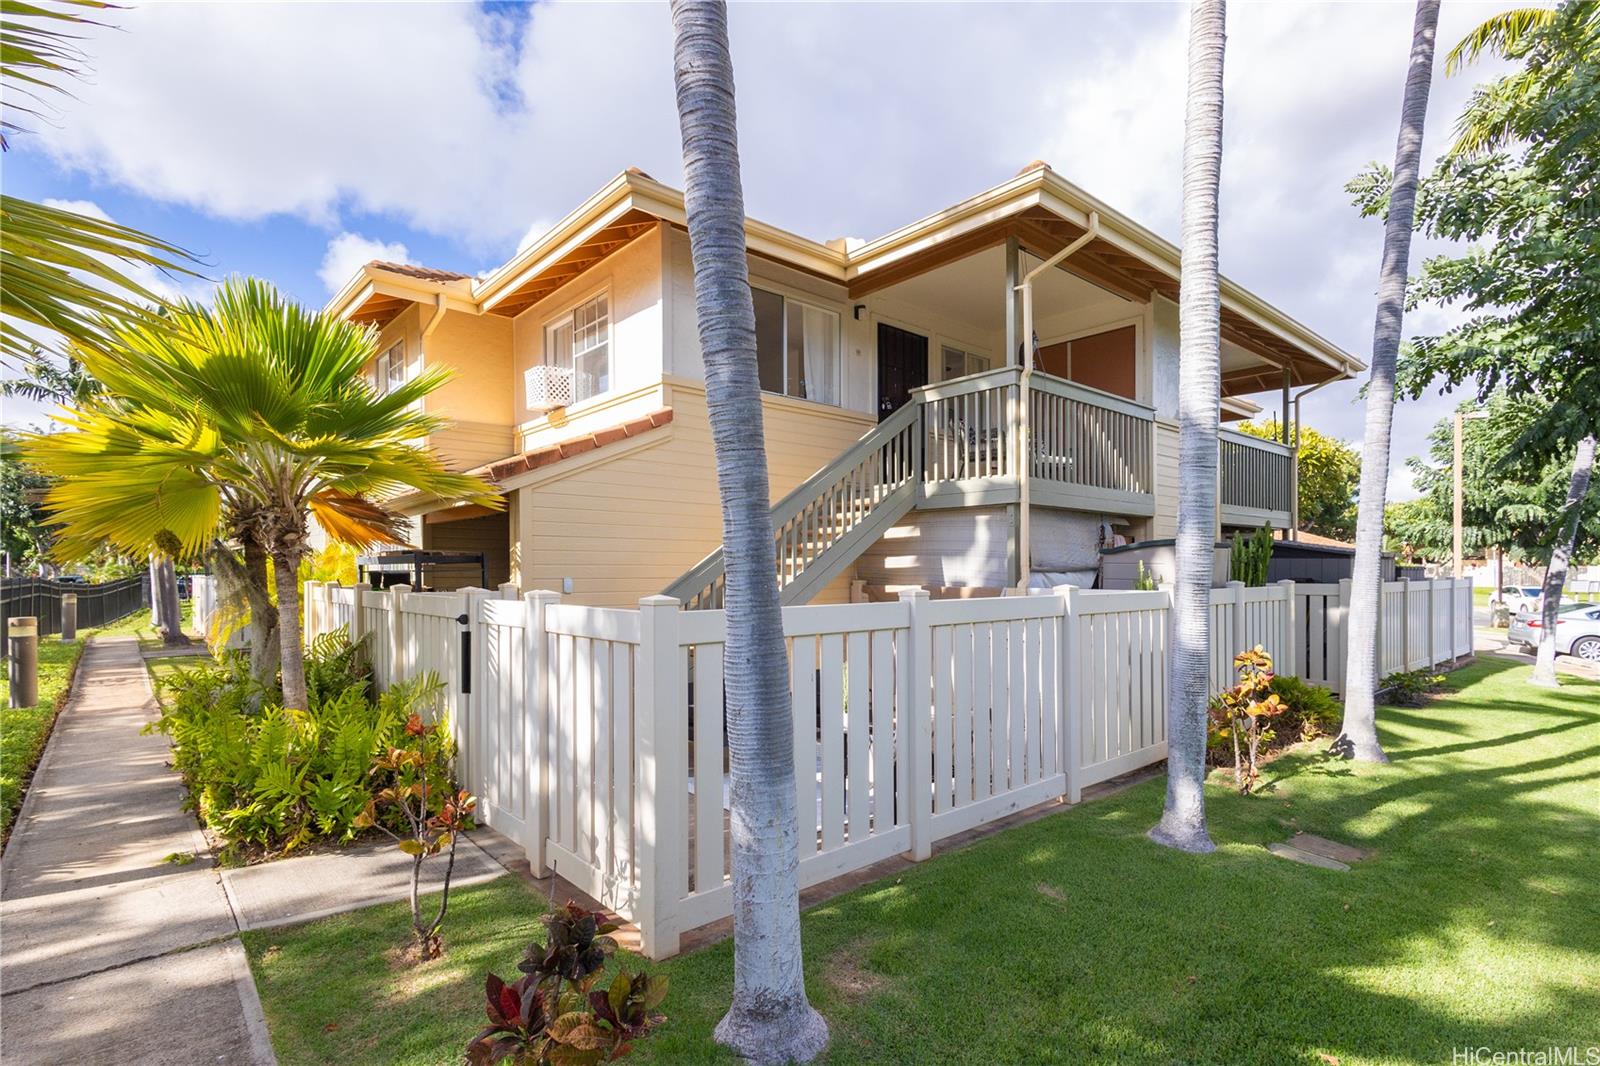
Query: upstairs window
(797,348)
(580,341)
(389,369)
(958,364)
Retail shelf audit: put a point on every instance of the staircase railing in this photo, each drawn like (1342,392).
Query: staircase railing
(955,443)
(837,503)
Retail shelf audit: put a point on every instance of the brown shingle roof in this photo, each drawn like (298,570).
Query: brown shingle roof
(425,273)
(501,469)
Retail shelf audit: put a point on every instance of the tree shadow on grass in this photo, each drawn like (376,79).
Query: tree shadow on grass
(1476,924)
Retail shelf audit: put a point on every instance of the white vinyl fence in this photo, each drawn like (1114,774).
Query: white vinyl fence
(596,738)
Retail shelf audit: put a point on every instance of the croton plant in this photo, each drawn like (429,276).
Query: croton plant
(1244,712)
(555,1013)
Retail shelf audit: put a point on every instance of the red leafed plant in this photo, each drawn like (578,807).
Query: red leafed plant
(1243,712)
(431,810)
(554,1014)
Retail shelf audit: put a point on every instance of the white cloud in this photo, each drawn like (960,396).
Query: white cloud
(536,229)
(854,119)
(349,252)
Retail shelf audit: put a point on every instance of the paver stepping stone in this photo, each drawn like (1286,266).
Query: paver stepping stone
(1330,849)
(1310,858)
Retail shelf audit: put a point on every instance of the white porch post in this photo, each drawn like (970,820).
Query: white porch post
(662,773)
(918,722)
(536,684)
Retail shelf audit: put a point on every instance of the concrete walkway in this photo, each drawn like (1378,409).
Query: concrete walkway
(110,953)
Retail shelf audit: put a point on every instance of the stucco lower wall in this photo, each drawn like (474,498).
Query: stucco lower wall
(626,527)
(956,548)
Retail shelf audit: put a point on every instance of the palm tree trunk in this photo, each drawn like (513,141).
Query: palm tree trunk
(770,1019)
(1183,819)
(264,650)
(1555,575)
(1358,736)
(286,578)
(172,634)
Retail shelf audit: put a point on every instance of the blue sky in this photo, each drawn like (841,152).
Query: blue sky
(272,137)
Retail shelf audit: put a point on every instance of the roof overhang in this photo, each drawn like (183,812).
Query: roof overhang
(375,296)
(1038,207)
(631,204)
(1045,212)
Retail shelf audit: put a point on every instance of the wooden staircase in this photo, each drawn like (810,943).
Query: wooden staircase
(960,444)
(832,517)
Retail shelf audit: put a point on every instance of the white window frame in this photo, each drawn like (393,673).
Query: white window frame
(384,378)
(968,354)
(783,344)
(571,358)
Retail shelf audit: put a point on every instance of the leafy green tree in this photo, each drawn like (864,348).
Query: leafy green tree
(24,533)
(1330,479)
(243,419)
(1519,191)
(1511,499)
(1412,531)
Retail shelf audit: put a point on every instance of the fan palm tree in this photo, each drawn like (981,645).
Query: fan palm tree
(770,1019)
(247,419)
(1358,736)
(1183,819)
(62,274)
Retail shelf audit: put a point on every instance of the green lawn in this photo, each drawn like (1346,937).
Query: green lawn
(138,625)
(1073,939)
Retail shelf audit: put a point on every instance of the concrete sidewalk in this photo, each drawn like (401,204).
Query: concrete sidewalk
(112,954)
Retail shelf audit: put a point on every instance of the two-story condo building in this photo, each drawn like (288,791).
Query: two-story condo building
(911,442)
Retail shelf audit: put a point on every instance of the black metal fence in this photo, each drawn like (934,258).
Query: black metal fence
(98,605)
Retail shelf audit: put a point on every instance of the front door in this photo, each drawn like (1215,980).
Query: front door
(902,366)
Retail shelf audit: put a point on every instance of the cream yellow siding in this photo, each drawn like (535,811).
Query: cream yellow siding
(477,350)
(1165,522)
(627,527)
(631,280)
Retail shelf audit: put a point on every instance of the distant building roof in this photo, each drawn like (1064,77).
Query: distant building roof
(1326,542)
(422,272)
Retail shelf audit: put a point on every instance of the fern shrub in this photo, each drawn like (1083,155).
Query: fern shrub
(273,780)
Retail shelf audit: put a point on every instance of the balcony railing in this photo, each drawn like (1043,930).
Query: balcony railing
(1255,479)
(1086,448)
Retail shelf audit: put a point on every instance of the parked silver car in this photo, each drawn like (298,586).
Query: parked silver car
(1521,597)
(1577,631)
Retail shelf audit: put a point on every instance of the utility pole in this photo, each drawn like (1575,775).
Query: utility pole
(1456,520)
(1461,417)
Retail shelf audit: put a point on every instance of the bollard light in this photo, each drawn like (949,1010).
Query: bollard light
(69,616)
(22,649)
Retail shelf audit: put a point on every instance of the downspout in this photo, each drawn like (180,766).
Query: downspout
(1294,459)
(1024,456)
(433,319)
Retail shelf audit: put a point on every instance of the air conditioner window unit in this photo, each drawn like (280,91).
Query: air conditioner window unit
(548,387)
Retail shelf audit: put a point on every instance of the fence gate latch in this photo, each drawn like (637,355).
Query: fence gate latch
(466,654)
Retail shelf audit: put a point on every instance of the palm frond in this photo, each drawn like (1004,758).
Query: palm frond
(1499,34)
(64,273)
(38,51)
